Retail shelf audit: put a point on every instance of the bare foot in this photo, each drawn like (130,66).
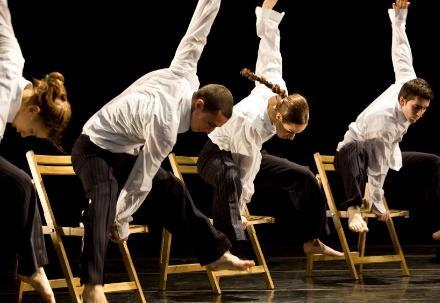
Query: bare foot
(229,261)
(39,281)
(436,235)
(315,246)
(355,221)
(93,293)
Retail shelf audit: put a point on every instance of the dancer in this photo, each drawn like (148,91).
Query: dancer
(232,162)
(119,153)
(371,144)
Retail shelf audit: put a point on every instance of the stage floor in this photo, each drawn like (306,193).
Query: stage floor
(331,282)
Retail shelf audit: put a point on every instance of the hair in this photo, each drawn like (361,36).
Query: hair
(416,88)
(294,108)
(49,94)
(217,98)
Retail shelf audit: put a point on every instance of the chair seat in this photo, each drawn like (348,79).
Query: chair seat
(253,220)
(368,214)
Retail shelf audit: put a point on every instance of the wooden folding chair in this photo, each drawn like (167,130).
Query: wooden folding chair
(354,259)
(43,165)
(188,165)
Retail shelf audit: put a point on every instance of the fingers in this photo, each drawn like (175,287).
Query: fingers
(401,4)
(269,4)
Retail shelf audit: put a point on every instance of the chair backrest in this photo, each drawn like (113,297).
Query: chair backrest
(50,165)
(324,163)
(41,165)
(183,165)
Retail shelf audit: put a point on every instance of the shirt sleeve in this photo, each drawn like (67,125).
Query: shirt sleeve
(379,152)
(11,64)
(161,137)
(191,46)
(400,47)
(269,60)
(245,149)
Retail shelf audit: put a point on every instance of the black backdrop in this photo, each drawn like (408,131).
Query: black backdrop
(334,53)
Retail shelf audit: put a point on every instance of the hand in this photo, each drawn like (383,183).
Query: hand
(114,235)
(401,4)
(383,217)
(269,4)
(244,222)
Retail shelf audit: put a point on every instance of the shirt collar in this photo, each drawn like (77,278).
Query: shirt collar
(403,122)
(16,98)
(185,114)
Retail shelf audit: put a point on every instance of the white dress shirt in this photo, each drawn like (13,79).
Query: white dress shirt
(383,119)
(249,127)
(12,82)
(145,119)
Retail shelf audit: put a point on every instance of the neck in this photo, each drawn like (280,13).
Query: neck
(271,106)
(27,94)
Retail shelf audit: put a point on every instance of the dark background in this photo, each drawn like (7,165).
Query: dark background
(334,53)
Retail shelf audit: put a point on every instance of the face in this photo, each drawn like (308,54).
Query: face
(287,130)
(205,122)
(27,122)
(414,109)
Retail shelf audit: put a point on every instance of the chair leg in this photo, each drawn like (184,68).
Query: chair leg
(20,291)
(259,254)
(164,258)
(128,262)
(65,265)
(397,247)
(215,282)
(309,268)
(362,239)
(345,247)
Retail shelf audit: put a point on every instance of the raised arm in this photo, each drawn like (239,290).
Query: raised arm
(269,61)
(11,63)
(191,46)
(400,48)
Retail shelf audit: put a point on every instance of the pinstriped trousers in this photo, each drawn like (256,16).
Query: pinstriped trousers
(169,204)
(21,224)
(217,168)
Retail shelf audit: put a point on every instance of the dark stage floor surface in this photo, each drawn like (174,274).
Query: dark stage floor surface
(331,282)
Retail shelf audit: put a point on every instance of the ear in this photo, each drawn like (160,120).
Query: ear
(402,101)
(34,109)
(279,117)
(199,104)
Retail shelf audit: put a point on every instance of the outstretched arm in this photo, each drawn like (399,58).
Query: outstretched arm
(400,48)
(190,48)
(269,60)
(11,63)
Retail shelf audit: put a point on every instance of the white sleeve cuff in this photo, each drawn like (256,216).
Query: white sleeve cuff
(398,15)
(269,13)
(123,230)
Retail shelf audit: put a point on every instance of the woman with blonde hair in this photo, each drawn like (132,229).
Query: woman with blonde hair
(37,109)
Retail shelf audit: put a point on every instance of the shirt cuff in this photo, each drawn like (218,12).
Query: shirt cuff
(123,230)
(269,13)
(398,15)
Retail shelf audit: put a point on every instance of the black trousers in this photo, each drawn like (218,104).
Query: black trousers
(21,223)
(218,169)
(103,175)
(415,185)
